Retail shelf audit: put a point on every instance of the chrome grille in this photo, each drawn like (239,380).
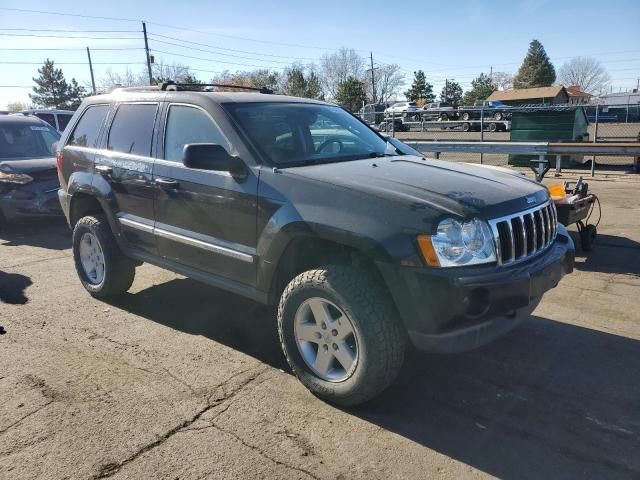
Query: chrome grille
(524,234)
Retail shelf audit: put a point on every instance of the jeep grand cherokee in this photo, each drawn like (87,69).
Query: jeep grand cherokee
(297,203)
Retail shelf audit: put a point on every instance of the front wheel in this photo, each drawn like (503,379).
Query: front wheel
(340,334)
(102,267)
(466,116)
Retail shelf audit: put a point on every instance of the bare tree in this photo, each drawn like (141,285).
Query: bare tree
(502,80)
(388,81)
(177,72)
(336,68)
(128,78)
(585,72)
(16,106)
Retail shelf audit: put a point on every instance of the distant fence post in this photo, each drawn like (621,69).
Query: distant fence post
(393,123)
(482,133)
(595,139)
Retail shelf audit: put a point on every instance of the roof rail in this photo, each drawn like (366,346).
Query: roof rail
(173,86)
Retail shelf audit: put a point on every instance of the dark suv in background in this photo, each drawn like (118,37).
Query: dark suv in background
(297,203)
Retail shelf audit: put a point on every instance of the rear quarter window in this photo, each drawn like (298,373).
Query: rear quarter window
(87,131)
(132,129)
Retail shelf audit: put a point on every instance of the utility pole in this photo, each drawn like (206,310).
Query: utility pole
(491,73)
(146,48)
(373,81)
(93,80)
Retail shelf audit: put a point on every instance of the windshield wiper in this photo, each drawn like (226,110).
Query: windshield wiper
(344,158)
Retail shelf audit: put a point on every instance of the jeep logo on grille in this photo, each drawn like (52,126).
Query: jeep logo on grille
(531,200)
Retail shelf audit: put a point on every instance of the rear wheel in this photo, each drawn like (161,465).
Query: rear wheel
(493,127)
(466,127)
(444,117)
(497,115)
(340,334)
(466,116)
(102,267)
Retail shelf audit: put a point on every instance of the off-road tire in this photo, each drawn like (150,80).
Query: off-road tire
(372,314)
(119,271)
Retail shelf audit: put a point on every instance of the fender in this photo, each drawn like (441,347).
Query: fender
(94,185)
(276,237)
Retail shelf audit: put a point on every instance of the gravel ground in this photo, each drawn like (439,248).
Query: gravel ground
(179,380)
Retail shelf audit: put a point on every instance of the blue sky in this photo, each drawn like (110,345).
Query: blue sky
(445,39)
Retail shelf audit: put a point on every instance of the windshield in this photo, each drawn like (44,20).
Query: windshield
(302,133)
(23,141)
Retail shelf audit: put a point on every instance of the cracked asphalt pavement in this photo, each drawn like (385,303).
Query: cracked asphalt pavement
(180,380)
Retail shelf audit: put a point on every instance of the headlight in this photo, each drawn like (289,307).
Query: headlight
(456,244)
(17,178)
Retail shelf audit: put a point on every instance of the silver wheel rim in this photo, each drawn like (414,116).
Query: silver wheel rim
(326,339)
(92,258)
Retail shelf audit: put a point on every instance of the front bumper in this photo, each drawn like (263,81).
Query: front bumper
(31,200)
(458,309)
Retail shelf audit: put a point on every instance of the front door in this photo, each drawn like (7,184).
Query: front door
(205,220)
(127,166)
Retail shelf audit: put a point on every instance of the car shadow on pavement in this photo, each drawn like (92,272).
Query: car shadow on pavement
(12,288)
(548,400)
(50,232)
(199,309)
(610,254)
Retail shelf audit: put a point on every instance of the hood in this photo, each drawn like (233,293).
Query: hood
(40,169)
(28,165)
(454,188)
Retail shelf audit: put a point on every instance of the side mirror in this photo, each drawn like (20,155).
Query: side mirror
(210,156)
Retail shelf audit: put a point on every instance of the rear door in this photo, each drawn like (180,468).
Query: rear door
(81,145)
(126,165)
(205,220)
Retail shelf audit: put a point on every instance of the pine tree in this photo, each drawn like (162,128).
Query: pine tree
(351,94)
(420,88)
(296,84)
(481,88)
(314,88)
(536,69)
(451,93)
(52,90)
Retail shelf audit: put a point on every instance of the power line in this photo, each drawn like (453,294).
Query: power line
(24,10)
(220,48)
(73,63)
(217,61)
(66,36)
(69,49)
(66,31)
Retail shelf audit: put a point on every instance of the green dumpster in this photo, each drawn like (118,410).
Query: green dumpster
(549,124)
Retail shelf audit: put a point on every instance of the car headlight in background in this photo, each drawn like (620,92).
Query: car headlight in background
(15,178)
(458,244)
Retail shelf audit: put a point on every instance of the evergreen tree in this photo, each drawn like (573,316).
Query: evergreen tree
(481,88)
(351,94)
(451,93)
(420,88)
(314,88)
(296,84)
(536,69)
(52,90)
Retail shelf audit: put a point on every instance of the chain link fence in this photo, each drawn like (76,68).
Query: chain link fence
(602,123)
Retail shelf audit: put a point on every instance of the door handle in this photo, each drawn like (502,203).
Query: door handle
(104,169)
(167,184)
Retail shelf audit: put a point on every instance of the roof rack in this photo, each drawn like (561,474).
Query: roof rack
(173,86)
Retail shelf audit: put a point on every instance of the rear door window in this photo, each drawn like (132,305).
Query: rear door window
(87,131)
(132,129)
(63,121)
(47,117)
